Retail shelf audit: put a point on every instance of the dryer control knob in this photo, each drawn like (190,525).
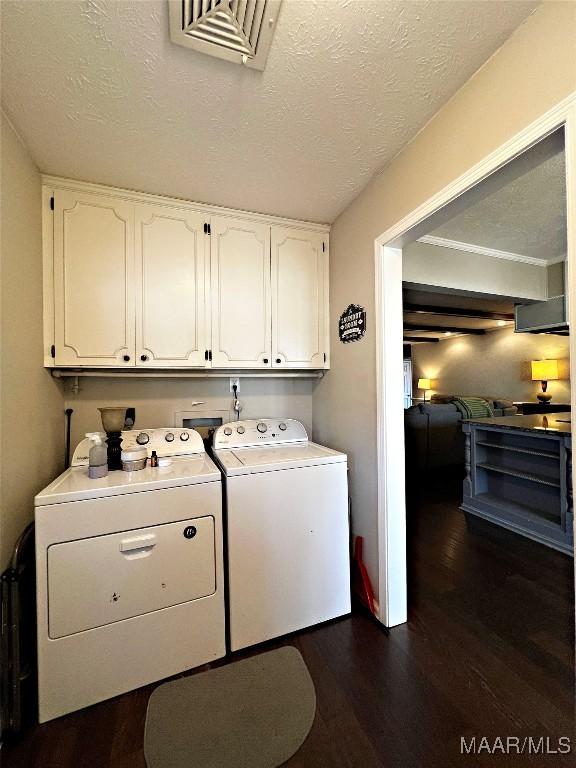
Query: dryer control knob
(227,431)
(184,436)
(169,437)
(282,426)
(240,430)
(261,427)
(143,438)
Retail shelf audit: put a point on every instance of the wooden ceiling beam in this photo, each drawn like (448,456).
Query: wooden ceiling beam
(478,314)
(420,340)
(443,328)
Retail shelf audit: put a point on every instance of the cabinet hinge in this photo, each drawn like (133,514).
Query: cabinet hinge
(53,351)
(323,247)
(51,203)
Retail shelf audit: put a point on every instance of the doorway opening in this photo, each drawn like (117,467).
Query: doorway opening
(481,291)
(532,146)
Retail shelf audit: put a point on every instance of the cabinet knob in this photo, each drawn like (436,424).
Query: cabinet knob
(278,360)
(126,358)
(143,358)
(265,360)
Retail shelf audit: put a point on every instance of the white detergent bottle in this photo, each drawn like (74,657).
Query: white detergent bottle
(98,457)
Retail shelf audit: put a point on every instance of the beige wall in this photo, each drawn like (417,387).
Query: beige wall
(156,401)
(495,364)
(458,270)
(31,402)
(533,71)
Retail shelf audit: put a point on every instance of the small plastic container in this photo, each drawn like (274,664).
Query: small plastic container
(134,459)
(97,457)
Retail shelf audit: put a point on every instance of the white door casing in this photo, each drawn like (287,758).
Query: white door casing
(93,280)
(391,512)
(299,296)
(171,323)
(240,293)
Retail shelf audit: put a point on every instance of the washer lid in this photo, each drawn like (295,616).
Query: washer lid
(75,485)
(243,461)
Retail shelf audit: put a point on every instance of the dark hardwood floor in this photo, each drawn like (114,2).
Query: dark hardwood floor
(488,651)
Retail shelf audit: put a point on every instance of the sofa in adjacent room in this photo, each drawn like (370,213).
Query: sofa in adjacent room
(433,431)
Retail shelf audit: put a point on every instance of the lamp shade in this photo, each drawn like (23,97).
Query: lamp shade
(424,384)
(544,370)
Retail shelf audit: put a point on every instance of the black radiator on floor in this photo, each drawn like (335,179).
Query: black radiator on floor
(18,637)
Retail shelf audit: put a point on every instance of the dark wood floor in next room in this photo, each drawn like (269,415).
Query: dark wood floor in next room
(488,651)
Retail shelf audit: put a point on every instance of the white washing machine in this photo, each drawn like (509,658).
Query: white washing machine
(130,579)
(287,529)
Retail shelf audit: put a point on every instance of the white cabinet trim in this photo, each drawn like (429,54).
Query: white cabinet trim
(58,182)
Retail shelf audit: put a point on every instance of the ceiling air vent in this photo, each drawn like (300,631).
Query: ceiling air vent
(236,30)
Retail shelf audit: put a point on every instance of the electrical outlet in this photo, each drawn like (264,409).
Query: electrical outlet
(235,382)
(130,418)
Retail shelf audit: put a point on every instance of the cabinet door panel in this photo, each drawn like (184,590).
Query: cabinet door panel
(240,280)
(171,280)
(299,297)
(93,280)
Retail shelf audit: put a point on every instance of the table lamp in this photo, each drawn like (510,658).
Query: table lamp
(113,420)
(544,371)
(425,385)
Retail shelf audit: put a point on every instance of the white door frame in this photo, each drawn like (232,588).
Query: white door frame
(390,416)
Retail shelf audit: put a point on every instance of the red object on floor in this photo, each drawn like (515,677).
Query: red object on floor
(360,579)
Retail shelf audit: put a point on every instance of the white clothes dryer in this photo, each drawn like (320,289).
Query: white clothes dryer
(130,581)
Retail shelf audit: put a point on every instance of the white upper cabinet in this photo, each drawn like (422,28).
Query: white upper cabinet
(171,286)
(140,281)
(240,293)
(299,299)
(93,253)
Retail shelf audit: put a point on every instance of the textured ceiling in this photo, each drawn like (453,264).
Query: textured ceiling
(100,93)
(527,216)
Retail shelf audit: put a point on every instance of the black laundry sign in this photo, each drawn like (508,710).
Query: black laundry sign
(352,324)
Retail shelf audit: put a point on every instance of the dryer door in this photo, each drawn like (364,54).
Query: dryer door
(100,580)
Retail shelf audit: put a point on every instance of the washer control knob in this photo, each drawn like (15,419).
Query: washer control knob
(227,431)
(184,436)
(282,426)
(241,430)
(169,437)
(261,427)
(143,438)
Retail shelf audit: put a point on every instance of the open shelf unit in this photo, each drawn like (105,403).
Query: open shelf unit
(523,475)
(520,479)
(516,449)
